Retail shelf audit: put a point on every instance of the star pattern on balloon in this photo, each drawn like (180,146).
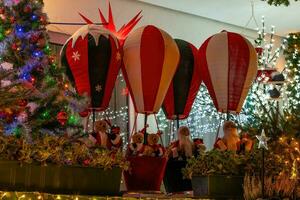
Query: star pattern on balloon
(98,88)
(76,56)
(118,56)
(263,139)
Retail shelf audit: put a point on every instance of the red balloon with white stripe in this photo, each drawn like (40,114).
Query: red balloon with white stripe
(228,64)
(150,61)
(93,57)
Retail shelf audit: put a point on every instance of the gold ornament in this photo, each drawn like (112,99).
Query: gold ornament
(8,31)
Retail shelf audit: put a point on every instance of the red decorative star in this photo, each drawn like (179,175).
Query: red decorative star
(122,33)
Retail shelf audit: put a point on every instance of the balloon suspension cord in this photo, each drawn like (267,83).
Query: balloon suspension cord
(218,130)
(94,119)
(87,122)
(134,127)
(145,128)
(156,121)
(177,121)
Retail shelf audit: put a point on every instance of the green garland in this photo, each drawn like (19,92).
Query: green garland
(59,151)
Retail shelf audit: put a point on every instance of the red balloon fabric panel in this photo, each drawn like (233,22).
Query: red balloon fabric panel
(229,65)
(93,59)
(185,84)
(150,61)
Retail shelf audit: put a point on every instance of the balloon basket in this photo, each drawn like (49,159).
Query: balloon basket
(173,179)
(145,174)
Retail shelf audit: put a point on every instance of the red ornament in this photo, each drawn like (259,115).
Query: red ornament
(86,162)
(34,38)
(43,19)
(62,117)
(22,102)
(27,9)
(84,113)
(41,42)
(14,46)
(12,19)
(2,10)
(51,59)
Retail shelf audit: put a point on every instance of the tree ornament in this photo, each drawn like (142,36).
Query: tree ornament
(1,36)
(27,9)
(62,117)
(8,31)
(84,113)
(43,19)
(2,10)
(86,162)
(47,49)
(41,42)
(34,17)
(22,102)
(34,38)
(12,19)
(51,59)
(73,120)
(263,139)
(1,129)
(17,132)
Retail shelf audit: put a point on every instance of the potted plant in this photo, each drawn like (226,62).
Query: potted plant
(59,165)
(217,174)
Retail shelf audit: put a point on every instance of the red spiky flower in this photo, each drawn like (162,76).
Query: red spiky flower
(122,33)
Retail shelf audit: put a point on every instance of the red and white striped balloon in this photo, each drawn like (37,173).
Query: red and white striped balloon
(150,62)
(228,63)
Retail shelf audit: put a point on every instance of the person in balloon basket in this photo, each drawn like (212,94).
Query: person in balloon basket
(231,140)
(184,147)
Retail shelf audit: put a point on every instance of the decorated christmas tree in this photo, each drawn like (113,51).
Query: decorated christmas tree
(27,62)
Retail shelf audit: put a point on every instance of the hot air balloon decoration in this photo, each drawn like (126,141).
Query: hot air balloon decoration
(185,84)
(92,57)
(228,63)
(150,61)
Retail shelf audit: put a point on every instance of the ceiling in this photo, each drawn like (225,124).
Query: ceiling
(238,12)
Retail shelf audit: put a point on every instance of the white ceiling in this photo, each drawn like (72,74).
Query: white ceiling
(238,12)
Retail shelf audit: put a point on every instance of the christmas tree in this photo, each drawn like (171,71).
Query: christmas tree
(28,62)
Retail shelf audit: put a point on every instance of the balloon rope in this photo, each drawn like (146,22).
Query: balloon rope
(145,129)
(134,127)
(87,122)
(94,119)
(218,130)
(156,121)
(107,118)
